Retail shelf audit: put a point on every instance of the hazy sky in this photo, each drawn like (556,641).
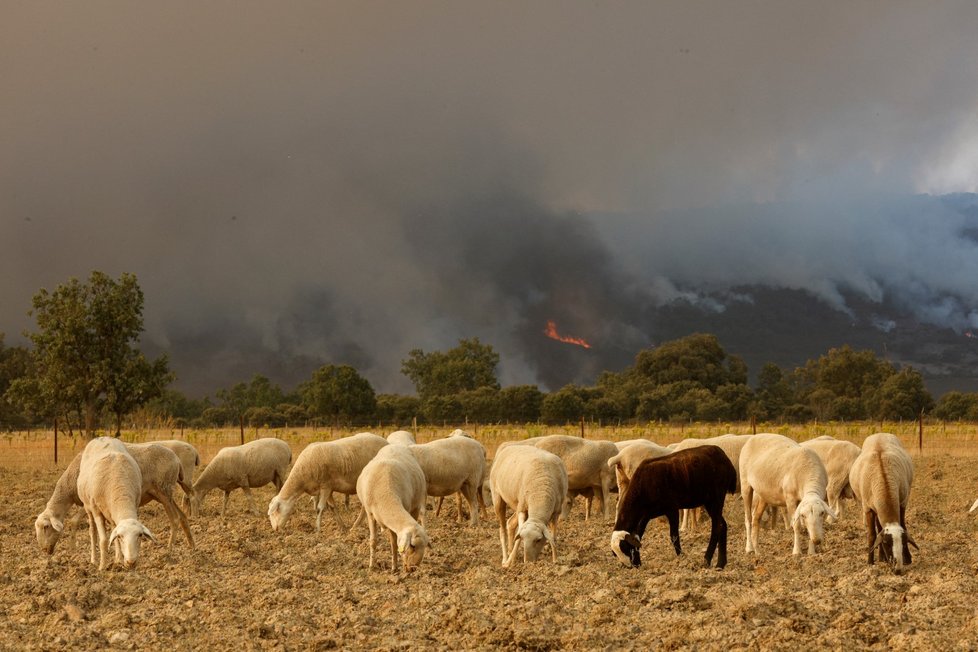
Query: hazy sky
(299,183)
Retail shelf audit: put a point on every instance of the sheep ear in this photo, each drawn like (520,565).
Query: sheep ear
(831,513)
(911,541)
(113,535)
(148,535)
(57,525)
(795,516)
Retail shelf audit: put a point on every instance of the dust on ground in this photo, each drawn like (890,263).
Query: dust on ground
(246,587)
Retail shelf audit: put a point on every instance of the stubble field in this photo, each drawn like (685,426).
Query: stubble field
(245,587)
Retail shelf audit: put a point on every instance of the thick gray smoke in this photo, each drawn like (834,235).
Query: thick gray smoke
(344,183)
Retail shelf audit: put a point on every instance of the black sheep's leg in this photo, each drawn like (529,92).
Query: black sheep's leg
(714,533)
(673,517)
(722,539)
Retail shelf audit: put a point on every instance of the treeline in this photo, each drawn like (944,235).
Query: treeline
(85,371)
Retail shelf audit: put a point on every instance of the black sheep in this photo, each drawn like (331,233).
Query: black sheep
(695,477)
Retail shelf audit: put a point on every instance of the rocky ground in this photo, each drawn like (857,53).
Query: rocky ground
(245,587)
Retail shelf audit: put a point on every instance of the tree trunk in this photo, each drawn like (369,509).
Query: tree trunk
(90,420)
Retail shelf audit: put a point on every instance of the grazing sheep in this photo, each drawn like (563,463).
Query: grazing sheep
(586,462)
(837,456)
(159,470)
(455,464)
(881,478)
(533,483)
(402,437)
(190,459)
(245,467)
(391,489)
(109,485)
(625,463)
(731,445)
(700,476)
(775,470)
(622,445)
(321,469)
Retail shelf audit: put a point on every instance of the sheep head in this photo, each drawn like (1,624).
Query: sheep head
(534,536)
(279,512)
(128,534)
(412,544)
(894,544)
(626,547)
(811,513)
(48,528)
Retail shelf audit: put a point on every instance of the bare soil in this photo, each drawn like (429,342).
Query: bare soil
(245,587)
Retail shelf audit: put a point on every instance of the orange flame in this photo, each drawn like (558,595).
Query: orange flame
(551,332)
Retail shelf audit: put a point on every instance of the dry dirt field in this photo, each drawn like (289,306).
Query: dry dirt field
(245,587)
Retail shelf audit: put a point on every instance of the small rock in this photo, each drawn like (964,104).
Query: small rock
(121,636)
(74,612)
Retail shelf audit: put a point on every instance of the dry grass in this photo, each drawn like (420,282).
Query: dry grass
(23,450)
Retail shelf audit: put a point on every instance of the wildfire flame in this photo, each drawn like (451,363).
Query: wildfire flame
(970,334)
(551,332)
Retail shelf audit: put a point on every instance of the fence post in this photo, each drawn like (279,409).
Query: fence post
(582,426)
(241,426)
(920,434)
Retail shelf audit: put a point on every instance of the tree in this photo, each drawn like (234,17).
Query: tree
(902,396)
(520,403)
(773,391)
(397,408)
(563,406)
(698,358)
(15,364)
(468,366)
(957,406)
(84,350)
(338,392)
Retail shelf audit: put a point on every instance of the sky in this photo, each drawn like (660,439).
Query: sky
(302,183)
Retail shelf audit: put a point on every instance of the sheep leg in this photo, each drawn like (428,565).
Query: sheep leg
(673,517)
(747,493)
(176,517)
(103,543)
(224,509)
(471,497)
(870,519)
(906,542)
(718,524)
(441,499)
(251,499)
(371,539)
(553,533)
(499,507)
(393,539)
(333,509)
(759,507)
(93,533)
(791,506)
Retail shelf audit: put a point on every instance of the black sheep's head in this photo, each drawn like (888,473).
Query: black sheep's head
(626,547)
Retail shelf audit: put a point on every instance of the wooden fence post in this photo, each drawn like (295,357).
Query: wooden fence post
(241,425)
(920,434)
(582,426)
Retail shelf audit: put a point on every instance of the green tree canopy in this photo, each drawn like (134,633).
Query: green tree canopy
(84,349)
(469,366)
(338,392)
(698,358)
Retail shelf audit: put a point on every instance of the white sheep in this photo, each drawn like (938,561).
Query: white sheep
(881,478)
(109,486)
(837,456)
(454,465)
(321,469)
(533,483)
(626,461)
(775,470)
(402,437)
(586,462)
(622,445)
(245,467)
(190,459)
(159,469)
(391,489)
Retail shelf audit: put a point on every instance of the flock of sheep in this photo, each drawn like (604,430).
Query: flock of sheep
(537,479)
